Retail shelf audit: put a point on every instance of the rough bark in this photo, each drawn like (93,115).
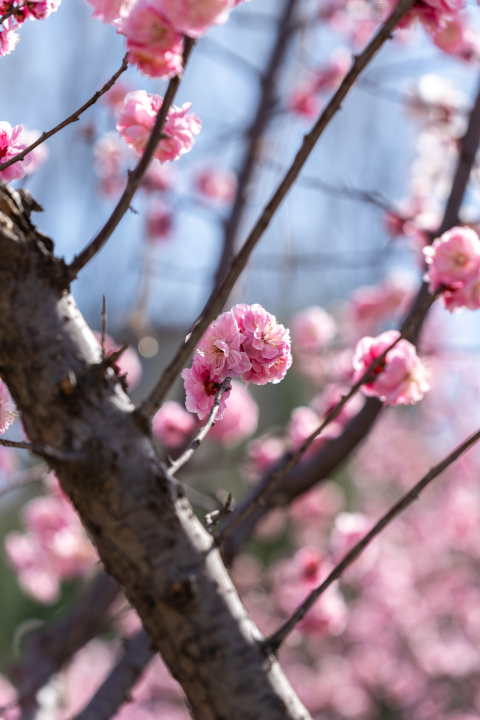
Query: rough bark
(142,525)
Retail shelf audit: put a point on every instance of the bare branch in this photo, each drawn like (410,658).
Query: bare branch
(202,434)
(219,297)
(44,451)
(273,643)
(135,176)
(116,688)
(73,118)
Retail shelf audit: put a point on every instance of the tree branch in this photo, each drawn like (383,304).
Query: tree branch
(273,643)
(135,176)
(219,297)
(116,688)
(203,432)
(73,118)
(44,451)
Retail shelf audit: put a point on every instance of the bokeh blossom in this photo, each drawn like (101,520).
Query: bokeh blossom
(401,378)
(172,424)
(454,266)
(137,119)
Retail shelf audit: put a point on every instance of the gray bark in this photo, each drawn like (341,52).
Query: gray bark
(142,525)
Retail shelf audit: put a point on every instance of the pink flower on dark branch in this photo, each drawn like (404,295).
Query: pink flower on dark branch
(154,45)
(137,119)
(201,387)
(400,379)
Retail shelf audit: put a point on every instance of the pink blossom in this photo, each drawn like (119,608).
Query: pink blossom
(154,45)
(40,9)
(216,184)
(194,17)
(240,419)
(433,14)
(7,410)
(159,222)
(12,143)
(330,77)
(401,379)
(313,329)
(172,424)
(456,38)
(8,37)
(266,342)
(137,119)
(304,102)
(221,349)
(201,388)
(262,454)
(303,422)
(110,10)
(453,258)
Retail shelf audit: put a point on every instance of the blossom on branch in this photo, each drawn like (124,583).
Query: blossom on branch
(12,142)
(154,45)
(201,387)
(39,9)
(400,379)
(454,267)
(221,349)
(137,119)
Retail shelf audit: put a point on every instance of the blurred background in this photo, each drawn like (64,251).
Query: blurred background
(372,191)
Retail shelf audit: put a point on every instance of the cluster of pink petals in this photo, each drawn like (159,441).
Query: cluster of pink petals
(7,409)
(137,119)
(456,38)
(53,549)
(454,267)
(8,37)
(433,14)
(401,378)
(266,342)
(12,142)
(216,184)
(38,9)
(154,45)
(246,342)
(110,10)
(201,386)
(195,17)
(313,329)
(172,424)
(240,419)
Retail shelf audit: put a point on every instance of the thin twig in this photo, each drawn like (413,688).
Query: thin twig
(10,12)
(44,451)
(135,176)
(292,459)
(214,517)
(273,643)
(202,433)
(219,297)
(73,118)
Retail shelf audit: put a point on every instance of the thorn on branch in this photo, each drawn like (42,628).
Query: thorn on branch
(214,517)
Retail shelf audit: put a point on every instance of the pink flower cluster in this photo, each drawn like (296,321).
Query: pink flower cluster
(216,184)
(454,268)
(401,378)
(154,29)
(172,424)
(7,410)
(24,10)
(137,119)
(12,142)
(433,14)
(246,342)
(53,549)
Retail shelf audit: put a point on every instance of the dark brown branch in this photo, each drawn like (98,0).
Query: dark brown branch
(116,688)
(44,451)
(73,118)
(203,432)
(274,642)
(219,297)
(135,176)
(10,12)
